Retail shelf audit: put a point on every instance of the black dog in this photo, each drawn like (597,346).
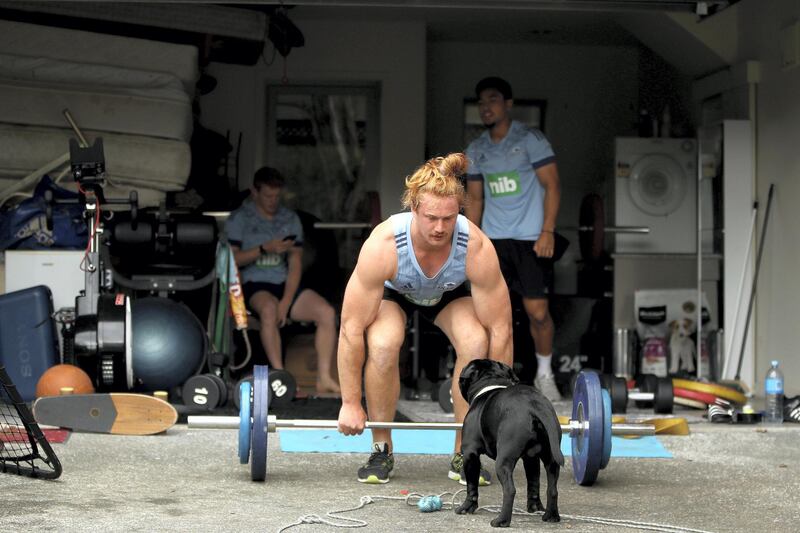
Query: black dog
(508,421)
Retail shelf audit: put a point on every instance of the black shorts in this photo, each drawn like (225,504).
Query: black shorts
(428,312)
(526,274)
(275,289)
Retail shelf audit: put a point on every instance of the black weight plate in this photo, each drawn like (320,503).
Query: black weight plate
(258,437)
(201,391)
(446,395)
(223,389)
(618,390)
(664,396)
(283,387)
(592,215)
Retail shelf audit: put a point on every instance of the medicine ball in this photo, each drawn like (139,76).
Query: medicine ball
(169,343)
(60,376)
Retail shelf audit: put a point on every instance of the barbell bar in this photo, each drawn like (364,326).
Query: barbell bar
(274,424)
(611,229)
(590,428)
(591,226)
(343,225)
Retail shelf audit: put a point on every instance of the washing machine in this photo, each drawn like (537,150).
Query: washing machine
(656,187)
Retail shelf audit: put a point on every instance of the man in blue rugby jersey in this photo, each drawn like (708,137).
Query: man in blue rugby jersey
(514,196)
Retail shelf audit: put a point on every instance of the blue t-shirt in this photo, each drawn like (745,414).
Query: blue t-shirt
(513,198)
(410,281)
(247,228)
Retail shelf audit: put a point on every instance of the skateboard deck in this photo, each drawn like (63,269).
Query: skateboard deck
(116,413)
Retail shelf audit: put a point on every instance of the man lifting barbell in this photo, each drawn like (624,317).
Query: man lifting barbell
(419,260)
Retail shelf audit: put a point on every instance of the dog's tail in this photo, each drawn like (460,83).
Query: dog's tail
(553,428)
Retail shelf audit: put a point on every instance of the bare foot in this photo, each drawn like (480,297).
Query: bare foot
(328,385)
(300,394)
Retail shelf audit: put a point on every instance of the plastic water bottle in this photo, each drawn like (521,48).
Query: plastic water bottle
(773,389)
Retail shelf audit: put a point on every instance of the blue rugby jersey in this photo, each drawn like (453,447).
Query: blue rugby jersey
(513,198)
(246,228)
(410,281)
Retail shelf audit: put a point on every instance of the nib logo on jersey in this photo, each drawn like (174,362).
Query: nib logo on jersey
(503,183)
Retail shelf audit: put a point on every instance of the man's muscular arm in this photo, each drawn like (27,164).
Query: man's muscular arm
(490,295)
(548,177)
(362,298)
(474,208)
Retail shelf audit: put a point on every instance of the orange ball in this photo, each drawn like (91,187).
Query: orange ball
(58,376)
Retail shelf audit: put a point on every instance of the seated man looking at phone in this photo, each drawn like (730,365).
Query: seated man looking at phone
(267,243)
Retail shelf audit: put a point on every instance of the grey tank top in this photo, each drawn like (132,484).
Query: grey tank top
(410,281)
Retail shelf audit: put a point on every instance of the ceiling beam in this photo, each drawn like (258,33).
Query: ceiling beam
(699,7)
(224,21)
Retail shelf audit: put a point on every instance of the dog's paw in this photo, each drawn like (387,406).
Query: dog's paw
(551,516)
(501,522)
(468,507)
(534,505)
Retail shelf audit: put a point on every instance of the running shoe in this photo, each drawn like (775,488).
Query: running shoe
(456,472)
(379,466)
(547,386)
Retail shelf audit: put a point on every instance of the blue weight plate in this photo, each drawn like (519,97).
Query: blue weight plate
(258,447)
(245,392)
(606,429)
(587,446)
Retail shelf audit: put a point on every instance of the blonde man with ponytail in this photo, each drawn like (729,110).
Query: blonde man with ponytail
(419,260)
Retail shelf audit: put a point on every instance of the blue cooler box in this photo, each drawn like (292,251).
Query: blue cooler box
(28,340)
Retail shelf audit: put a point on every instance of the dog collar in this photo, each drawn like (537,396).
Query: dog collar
(487,389)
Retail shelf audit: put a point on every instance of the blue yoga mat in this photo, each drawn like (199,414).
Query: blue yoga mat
(436,442)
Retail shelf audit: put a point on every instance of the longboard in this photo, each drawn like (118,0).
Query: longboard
(116,413)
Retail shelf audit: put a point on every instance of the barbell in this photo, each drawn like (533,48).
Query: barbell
(590,428)
(591,226)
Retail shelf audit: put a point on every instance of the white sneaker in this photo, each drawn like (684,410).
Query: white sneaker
(547,386)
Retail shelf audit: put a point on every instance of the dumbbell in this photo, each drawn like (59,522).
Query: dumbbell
(282,387)
(207,391)
(652,392)
(446,395)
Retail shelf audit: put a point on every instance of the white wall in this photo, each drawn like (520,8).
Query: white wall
(392,54)
(778,161)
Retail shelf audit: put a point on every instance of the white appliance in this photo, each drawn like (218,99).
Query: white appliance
(58,269)
(656,187)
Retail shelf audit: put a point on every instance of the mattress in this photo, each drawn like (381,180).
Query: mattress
(155,112)
(51,71)
(160,164)
(139,54)
(147,197)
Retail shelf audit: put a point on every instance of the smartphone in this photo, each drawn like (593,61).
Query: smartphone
(290,237)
